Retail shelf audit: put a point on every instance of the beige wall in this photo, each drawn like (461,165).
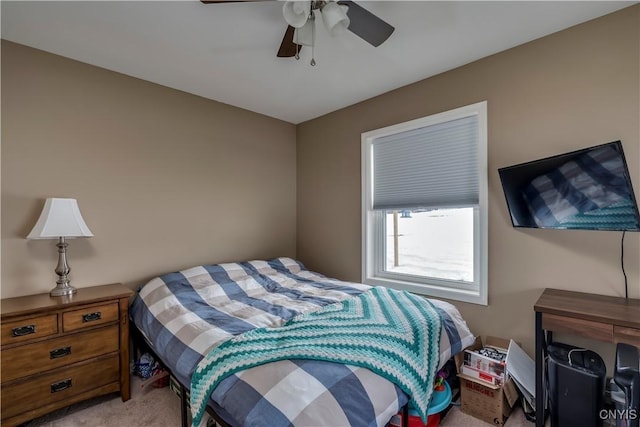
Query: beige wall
(167,180)
(570,90)
(164,179)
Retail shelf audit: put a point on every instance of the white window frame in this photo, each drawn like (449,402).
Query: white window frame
(373,221)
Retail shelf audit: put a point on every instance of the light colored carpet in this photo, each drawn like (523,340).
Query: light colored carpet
(455,418)
(160,407)
(148,407)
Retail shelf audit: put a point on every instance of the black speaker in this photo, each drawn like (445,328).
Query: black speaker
(576,386)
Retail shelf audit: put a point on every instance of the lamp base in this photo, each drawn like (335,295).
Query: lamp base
(63,289)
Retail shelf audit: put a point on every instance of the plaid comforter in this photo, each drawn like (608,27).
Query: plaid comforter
(184,315)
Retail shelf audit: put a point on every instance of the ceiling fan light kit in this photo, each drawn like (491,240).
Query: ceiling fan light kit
(296,13)
(305,35)
(335,18)
(338,16)
(301,15)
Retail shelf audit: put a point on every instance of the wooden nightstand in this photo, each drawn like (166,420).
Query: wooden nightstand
(56,351)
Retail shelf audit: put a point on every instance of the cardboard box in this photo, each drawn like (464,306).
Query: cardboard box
(468,371)
(490,403)
(488,365)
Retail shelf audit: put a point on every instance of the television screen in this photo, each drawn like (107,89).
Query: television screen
(588,189)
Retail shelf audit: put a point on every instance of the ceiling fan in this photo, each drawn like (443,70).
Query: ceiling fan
(338,15)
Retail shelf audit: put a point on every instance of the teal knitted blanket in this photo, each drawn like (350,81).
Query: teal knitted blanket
(392,333)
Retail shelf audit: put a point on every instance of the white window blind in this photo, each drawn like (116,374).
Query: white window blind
(432,166)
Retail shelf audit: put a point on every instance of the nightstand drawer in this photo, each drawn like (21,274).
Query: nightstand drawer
(89,317)
(29,328)
(43,356)
(23,396)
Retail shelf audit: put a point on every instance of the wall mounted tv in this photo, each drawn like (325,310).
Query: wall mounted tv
(588,189)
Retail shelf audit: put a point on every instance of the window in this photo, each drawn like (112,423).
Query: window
(424,205)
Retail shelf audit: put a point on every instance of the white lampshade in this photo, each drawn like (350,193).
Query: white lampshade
(304,36)
(335,17)
(60,218)
(296,13)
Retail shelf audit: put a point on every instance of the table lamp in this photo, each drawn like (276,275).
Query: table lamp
(60,219)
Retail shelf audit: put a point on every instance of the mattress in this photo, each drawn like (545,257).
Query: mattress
(184,315)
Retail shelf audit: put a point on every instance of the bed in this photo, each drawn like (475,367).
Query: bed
(191,317)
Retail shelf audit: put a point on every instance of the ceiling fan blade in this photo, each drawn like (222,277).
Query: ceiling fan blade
(288,48)
(366,25)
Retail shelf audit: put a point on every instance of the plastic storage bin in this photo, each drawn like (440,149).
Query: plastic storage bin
(439,402)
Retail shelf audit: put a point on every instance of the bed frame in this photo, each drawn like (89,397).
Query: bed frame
(140,345)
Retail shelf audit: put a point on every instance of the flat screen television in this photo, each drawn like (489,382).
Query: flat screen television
(587,189)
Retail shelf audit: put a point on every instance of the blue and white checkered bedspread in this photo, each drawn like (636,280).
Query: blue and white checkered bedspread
(185,314)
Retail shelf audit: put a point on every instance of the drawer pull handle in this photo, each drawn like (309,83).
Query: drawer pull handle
(23,330)
(59,386)
(59,352)
(91,317)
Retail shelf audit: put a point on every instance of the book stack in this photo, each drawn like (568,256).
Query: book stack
(487,364)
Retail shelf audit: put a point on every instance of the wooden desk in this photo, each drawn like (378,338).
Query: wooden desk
(598,317)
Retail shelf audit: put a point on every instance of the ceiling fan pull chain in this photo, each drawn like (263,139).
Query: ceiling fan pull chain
(313,38)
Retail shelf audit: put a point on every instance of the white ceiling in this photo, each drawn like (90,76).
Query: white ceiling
(227,52)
